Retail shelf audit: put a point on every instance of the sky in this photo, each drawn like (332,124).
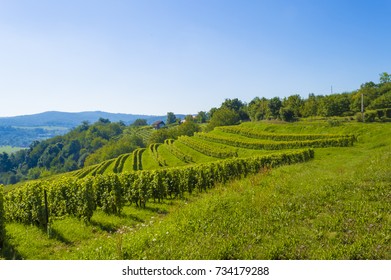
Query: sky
(184,56)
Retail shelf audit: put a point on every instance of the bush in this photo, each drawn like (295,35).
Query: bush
(379,115)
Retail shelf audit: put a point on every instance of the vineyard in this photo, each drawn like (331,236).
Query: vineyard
(2,220)
(151,181)
(222,143)
(145,174)
(35,203)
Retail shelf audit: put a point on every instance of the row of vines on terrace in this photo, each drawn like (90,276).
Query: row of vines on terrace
(251,143)
(35,202)
(2,218)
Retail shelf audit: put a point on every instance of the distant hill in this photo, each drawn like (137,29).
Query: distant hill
(70,120)
(21,131)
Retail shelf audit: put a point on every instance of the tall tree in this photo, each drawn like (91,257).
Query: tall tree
(140,122)
(171,118)
(223,116)
(385,78)
(201,117)
(275,105)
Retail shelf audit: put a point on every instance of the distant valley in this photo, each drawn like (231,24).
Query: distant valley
(21,131)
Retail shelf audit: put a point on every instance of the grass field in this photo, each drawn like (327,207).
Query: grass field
(337,206)
(9,149)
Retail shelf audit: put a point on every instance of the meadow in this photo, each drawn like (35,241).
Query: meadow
(334,206)
(9,149)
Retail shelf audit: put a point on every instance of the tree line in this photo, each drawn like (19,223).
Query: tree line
(291,108)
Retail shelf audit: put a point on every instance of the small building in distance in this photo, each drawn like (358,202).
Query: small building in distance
(158,124)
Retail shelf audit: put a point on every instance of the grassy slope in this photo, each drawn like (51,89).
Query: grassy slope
(9,149)
(334,207)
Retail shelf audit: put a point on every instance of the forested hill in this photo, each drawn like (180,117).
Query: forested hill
(70,120)
(66,152)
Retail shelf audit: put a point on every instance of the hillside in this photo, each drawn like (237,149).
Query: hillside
(330,207)
(22,131)
(71,120)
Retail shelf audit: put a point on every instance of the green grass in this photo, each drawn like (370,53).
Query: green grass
(9,149)
(148,161)
(337,206)
(168,157)
(197,157)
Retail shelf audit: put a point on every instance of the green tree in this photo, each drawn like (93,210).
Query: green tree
(201,117)
(236,105)
(294,103)
(336,105)
(385,78)
(275,105)
(171,118)
(258,109)
(287,114)
(223,116)
(311,106)
(140,122)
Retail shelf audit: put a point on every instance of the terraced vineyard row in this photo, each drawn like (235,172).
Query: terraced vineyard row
(208,148)
(177,152)
(36,203)
(143,132)
(223,142)
(2,220)
(248,132)
(251,143)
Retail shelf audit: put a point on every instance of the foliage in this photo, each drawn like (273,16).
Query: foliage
(171,118)
(140,122)
(223,116)
(252,133)
(274,105)
(385,78)
(380,115)
(237,106)
(335,207)
(63,153)
(80,197)
(187,128)
(208,148)
(2,220)
(287,114)
(201,117)
(248,143)
(114,148)
(176,152)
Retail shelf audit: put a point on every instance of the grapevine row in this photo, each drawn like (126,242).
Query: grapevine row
(208,149)
(119,163)
(155,155)
(176,152)
(110,192)
(2,220)
(101,168)
(137,163)
(248,132)
(275,145)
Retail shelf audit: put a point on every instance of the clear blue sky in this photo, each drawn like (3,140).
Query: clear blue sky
(156,56)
